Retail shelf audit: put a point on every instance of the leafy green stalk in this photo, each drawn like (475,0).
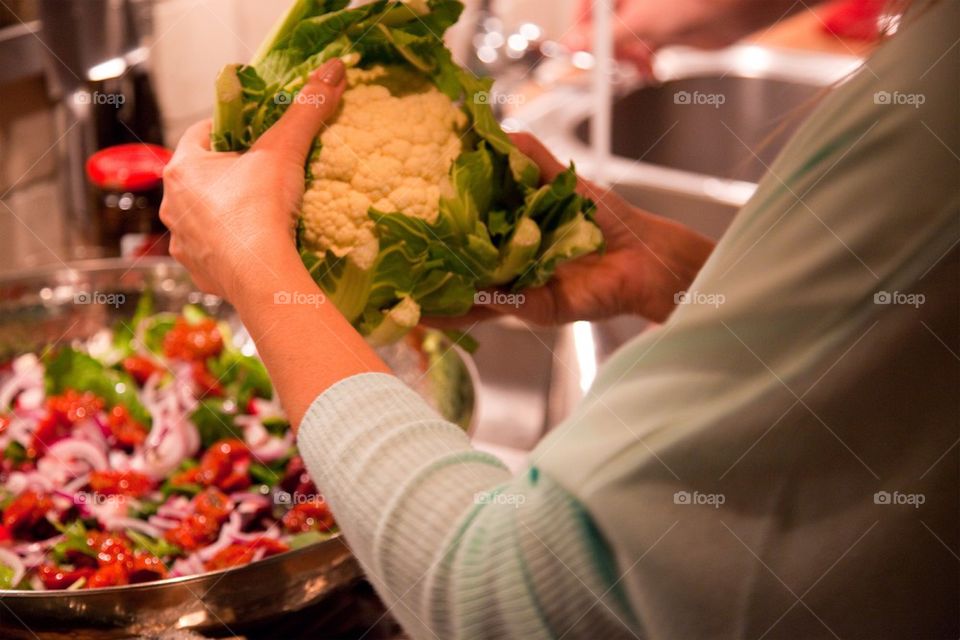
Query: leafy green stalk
(396,323)
(519,252)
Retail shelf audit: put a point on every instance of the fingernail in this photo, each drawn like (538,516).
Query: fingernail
(331,72)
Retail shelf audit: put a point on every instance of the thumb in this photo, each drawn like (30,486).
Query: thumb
(316,102)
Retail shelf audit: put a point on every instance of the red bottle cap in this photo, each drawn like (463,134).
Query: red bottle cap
(128,167)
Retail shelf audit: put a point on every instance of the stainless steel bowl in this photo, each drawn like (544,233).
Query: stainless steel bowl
(62,304)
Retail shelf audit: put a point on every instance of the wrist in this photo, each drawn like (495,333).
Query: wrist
(272,270)
(680,253)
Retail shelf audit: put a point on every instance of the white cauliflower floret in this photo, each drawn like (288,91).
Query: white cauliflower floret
(390,148)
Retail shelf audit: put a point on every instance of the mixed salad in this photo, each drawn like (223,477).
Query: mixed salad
(153,449)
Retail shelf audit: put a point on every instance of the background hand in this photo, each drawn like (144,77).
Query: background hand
(231,214)
(640,27)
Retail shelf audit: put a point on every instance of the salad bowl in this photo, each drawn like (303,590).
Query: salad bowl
(69,304)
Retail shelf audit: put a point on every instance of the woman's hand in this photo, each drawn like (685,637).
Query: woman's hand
(640,27)
(232,215)
(648,259)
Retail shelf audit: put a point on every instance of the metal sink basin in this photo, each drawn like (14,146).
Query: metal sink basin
(726,126)
(693,146)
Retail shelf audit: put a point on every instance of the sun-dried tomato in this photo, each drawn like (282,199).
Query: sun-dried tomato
(120,483)
(199,341)
(25,512)
(207,383)
(242,553)
(62,412)
(127,432)
(212,503)
(146,567)
(226,464)
(140,367)
(110,575)
(54,577)
(194,532)
(311,515)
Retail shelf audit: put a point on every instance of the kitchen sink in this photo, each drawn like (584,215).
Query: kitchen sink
(690,147)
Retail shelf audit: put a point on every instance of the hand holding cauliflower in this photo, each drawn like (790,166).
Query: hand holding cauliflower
(415,197)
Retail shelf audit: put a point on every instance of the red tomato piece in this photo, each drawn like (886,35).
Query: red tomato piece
(110,575)
(207,383)
(242,553)
(126,431)
(54,577)
(120,483)
(195,531)
(146,567)
(186,341)
(226,464)
(26,511)
(63,412)
(140,367)
(212,503)
(312,515)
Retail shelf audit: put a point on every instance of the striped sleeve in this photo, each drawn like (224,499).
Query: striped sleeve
(456,547)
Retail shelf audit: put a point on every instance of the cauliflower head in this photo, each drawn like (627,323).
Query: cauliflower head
(390,148)
(415,197)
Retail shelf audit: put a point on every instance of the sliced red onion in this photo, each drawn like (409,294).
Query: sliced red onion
(119,460)
(27,375)
(108,509)
(76,484)
(163,523)
(119,524)
(274,449)
(40,545)
(18,482)
(177,508)
(227,532)
(13,561)
(30,399)
(21,429)
(90,431)
(249,496)
(241,536)
(268,409)
(76,449)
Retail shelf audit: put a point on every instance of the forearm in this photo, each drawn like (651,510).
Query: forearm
(679,254)
(306,344)
(454,545)
(709,23)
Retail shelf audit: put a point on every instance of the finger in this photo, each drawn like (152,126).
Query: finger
(294,132)
(531,147)
(196,139)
